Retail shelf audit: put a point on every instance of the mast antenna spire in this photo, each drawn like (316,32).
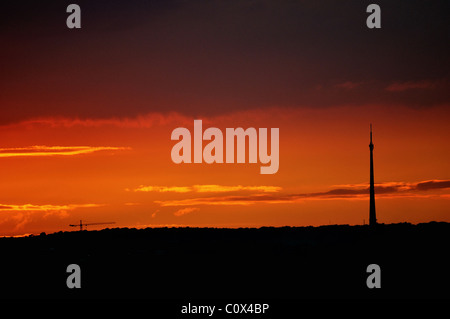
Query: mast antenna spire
(372,213)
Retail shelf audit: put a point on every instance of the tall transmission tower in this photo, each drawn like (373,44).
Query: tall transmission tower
(372,214)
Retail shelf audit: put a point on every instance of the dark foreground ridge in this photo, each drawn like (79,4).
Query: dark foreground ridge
(275,263)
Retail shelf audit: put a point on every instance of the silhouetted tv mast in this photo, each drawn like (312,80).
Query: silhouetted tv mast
(81,224)
(372,214)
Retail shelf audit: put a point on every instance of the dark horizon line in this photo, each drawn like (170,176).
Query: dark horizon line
(379,225)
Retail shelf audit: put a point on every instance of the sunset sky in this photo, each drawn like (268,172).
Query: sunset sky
(86,115)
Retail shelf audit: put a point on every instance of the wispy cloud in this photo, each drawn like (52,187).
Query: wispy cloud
(207,189)
(402,186)
(349,192)
(43,150)
(163,189)
(184,211)
(229,200)
(383,190)
(43,208)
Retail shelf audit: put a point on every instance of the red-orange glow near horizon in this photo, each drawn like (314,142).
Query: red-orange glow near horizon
(58,171)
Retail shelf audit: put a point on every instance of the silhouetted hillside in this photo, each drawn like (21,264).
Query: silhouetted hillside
(286,262)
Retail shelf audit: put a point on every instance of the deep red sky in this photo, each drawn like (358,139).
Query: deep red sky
(86,115)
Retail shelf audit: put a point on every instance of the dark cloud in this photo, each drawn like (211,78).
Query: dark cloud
(424,186)
(381,189)
(210,57)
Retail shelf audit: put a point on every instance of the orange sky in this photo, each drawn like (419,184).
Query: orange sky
(56,171)
(86,115)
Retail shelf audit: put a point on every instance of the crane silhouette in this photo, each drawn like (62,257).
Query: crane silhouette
(81,224)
